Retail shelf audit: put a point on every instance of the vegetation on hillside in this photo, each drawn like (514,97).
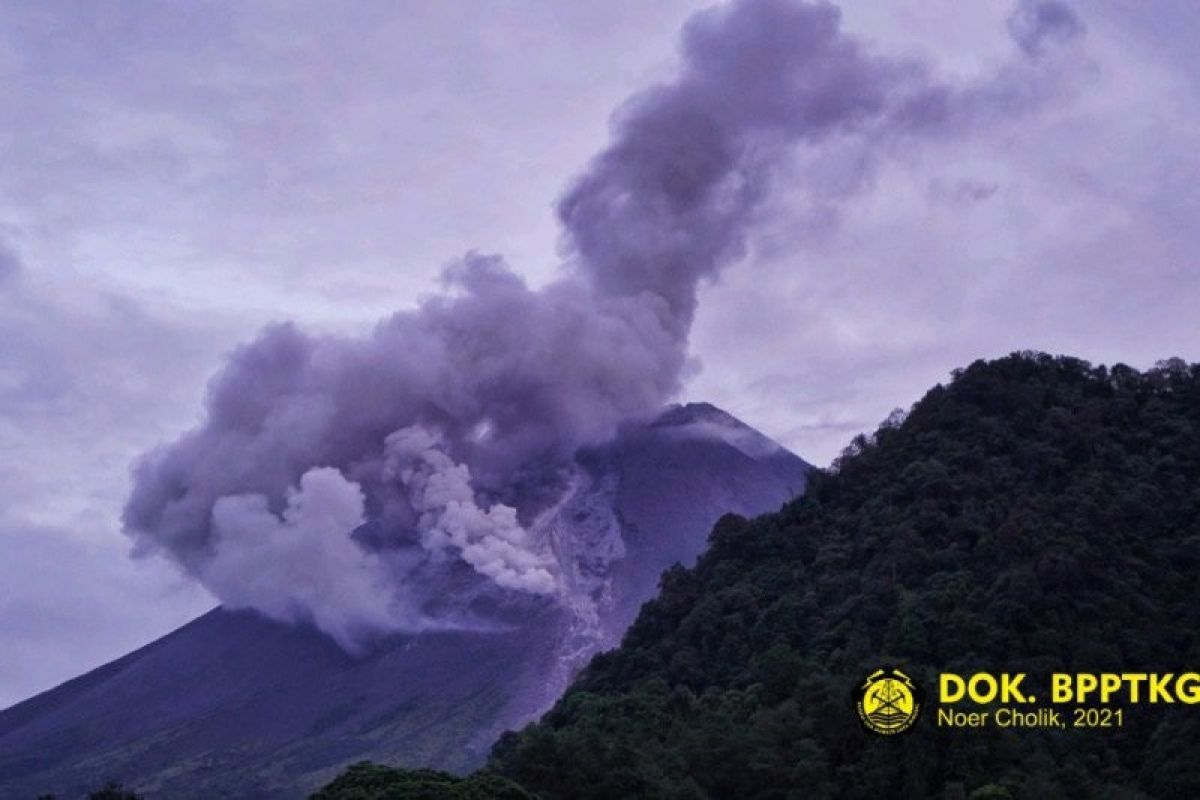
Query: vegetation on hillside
(112,790)
(1035,515)
(366,781)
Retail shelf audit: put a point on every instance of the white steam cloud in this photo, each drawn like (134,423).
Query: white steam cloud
(302,564)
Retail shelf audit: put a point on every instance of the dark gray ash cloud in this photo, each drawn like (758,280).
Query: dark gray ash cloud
(416,438)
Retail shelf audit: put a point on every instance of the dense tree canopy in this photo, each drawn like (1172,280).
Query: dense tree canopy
(1036,514)
(366,781)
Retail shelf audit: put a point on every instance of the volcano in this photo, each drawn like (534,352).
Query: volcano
(237,705)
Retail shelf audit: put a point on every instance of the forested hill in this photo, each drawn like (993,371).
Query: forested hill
(1037,514)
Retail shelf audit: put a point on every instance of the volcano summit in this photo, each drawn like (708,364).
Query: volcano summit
(236,704)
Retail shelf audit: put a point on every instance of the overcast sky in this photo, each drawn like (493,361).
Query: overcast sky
(175,175)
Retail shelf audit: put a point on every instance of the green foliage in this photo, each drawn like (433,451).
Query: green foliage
(1037,514)
(367,781)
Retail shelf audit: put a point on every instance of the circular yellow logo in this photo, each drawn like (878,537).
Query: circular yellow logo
(888,702)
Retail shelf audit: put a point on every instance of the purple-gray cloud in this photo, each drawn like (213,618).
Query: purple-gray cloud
(10,265)
(1035,23)
(498,379)
(87,380)
(172,183)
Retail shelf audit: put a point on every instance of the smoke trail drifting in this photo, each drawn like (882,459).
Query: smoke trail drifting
(317,489)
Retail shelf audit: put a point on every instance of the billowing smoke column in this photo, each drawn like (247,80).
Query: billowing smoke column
(449,520)
(341,481)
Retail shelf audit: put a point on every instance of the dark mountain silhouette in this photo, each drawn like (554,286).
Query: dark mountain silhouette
(235,705)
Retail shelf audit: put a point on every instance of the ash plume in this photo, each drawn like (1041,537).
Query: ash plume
(449,520)
(340,480)
(301,564)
